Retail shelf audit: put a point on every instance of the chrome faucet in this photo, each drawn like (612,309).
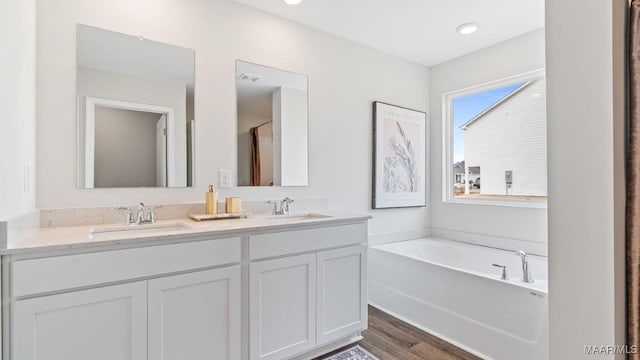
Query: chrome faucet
(128,216)
(526,271)
(285,205)
(140,215)
(144,214)
(282,207)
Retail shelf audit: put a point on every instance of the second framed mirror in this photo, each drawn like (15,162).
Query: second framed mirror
(272,126)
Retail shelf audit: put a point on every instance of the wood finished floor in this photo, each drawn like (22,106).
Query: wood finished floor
(389,338)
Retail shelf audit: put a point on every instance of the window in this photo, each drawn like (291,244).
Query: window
(495,142)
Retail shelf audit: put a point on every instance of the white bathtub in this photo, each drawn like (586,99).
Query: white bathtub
(451,290)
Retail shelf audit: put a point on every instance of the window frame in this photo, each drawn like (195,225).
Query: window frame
(447,139)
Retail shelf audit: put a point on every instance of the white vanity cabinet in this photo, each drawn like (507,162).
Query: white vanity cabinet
(289,292)
(298,303)
(108,323)
(191,315)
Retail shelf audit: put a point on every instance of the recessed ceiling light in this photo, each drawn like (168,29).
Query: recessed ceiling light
(468,28)
(292,2)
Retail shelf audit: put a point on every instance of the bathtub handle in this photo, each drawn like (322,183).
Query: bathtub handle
(504,271)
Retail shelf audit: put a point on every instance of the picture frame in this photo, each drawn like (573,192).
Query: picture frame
(399,157)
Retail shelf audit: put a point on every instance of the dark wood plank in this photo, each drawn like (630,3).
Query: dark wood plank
(424,337)
(389,338)
(433,352)
(383,347)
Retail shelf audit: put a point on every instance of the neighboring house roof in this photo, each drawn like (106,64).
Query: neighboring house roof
(492,107)
(458,168)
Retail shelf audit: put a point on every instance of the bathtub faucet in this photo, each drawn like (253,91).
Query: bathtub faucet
(526,272)
(504,275)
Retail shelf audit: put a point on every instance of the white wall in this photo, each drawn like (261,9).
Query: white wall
(344,79)
(585,102)
(512,136)
(528,226)
(17,106)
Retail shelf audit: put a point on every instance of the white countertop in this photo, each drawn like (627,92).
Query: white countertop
(78,237)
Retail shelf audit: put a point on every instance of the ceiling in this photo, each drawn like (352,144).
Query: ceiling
(255,98)
(422,31)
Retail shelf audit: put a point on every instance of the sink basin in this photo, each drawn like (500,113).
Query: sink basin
(137,229)
(307,216)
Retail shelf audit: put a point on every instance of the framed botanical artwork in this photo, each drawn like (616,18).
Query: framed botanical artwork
(399,157)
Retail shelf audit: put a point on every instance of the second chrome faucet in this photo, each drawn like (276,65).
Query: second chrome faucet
(282,207)
(144,214)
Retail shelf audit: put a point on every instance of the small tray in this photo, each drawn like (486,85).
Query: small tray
(221,216)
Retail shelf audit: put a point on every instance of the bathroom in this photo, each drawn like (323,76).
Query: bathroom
(346,273)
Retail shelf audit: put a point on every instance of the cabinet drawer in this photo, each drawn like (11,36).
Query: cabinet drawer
(71,271)
(298,241)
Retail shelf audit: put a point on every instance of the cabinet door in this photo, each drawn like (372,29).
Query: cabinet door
(108,323)
(342,293)
(195,316)
(282,305)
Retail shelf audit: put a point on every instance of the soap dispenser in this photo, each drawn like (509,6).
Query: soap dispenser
(211,201)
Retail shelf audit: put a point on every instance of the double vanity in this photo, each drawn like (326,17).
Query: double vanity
(272,287)
(263,287)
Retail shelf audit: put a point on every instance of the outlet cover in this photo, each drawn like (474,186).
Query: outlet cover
(224,181)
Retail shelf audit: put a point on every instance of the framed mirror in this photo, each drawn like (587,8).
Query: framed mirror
(135,111)
(272,125)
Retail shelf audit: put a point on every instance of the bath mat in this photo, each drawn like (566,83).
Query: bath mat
(353,353)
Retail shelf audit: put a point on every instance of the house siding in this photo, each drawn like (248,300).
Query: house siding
(512,136)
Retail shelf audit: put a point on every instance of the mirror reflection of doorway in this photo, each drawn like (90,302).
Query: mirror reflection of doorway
(127,144)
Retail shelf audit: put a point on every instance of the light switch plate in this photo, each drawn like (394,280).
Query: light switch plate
(224,181)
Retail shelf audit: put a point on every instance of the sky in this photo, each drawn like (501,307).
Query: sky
(467,107)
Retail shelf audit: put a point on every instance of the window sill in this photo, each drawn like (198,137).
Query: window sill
(506,203)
